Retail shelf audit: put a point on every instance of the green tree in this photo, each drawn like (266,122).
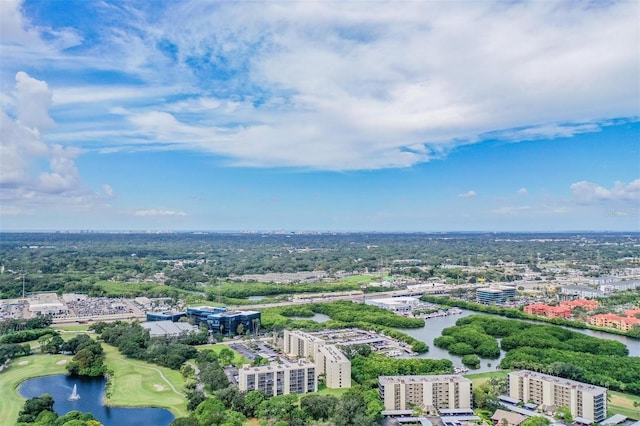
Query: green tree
(536,421)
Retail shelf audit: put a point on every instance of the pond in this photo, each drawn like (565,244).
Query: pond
(315,317)
(433,328)
(91,392)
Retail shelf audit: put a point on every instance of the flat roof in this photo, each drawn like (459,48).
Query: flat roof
(614,420)
(423,379)
(585,387)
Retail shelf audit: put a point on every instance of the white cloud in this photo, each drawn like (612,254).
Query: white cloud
(24,121)
(159,212)
(522,191)
(588,192)
(468,194)
(108,190)
(341,86)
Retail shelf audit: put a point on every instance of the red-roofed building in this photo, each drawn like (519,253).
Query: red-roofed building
(587,305)
(632,312)
(613,321)
(548,311)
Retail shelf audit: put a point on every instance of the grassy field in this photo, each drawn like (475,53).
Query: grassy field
(20,370)
(140,384)
(622,403)
(480,378)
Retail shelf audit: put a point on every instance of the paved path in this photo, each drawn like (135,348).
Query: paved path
(159,372)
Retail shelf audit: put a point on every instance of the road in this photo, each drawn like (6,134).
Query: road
(378,295)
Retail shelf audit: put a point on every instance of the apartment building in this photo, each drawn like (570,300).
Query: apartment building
(430,393)
(587,402)
(334,365)
(279,379)
(329,360)
(613,321)
(548,311)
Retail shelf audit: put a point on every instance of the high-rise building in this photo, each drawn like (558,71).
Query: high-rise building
(584,401)
(279,379)
(447,391)
(329,360)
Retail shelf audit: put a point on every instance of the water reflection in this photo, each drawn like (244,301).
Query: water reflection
(92,392)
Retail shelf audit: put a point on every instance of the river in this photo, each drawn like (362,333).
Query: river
(433,328)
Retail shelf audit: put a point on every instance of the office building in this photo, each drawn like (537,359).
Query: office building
(495,294)
(168,328)
(279,379)
(227,323)
(429,393)
(165,316)
(587,403)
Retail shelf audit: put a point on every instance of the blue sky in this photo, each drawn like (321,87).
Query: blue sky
(310,115)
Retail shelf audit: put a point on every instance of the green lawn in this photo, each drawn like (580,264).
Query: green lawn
(21,369)
(141,384)
(481,378)
(622,403)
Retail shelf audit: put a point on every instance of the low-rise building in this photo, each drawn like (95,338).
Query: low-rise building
(581,291)
(583,400)
(540,309)
(227,323)
(395,304)
(586,304)
(429,393)
(614,321)
(495,294)
(279,379)
(168,328)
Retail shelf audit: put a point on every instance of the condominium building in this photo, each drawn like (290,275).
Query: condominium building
(279,379)
(427,392)
(334,365)
(329,360)
(548,311)
(587,402)
(614,321)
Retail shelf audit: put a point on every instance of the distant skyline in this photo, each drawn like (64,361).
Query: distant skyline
(320,116)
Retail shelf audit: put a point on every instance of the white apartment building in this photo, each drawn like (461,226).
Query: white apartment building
(430,393)
(585,401)
(329,360)
(279,379)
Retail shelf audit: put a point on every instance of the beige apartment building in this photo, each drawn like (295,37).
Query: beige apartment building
(329,360)
(427,392)
(585,401)
(279,379)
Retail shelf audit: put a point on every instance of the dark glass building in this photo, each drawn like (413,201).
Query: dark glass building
(227,323)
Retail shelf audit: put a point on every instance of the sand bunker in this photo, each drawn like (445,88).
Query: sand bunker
(23,363)
(159,388)
(61,362)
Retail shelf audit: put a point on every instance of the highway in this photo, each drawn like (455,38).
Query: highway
(329,297)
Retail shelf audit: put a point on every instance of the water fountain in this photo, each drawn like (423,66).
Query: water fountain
(74,395)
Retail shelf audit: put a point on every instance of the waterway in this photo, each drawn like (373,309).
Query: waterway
(433,328)
(91,393)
